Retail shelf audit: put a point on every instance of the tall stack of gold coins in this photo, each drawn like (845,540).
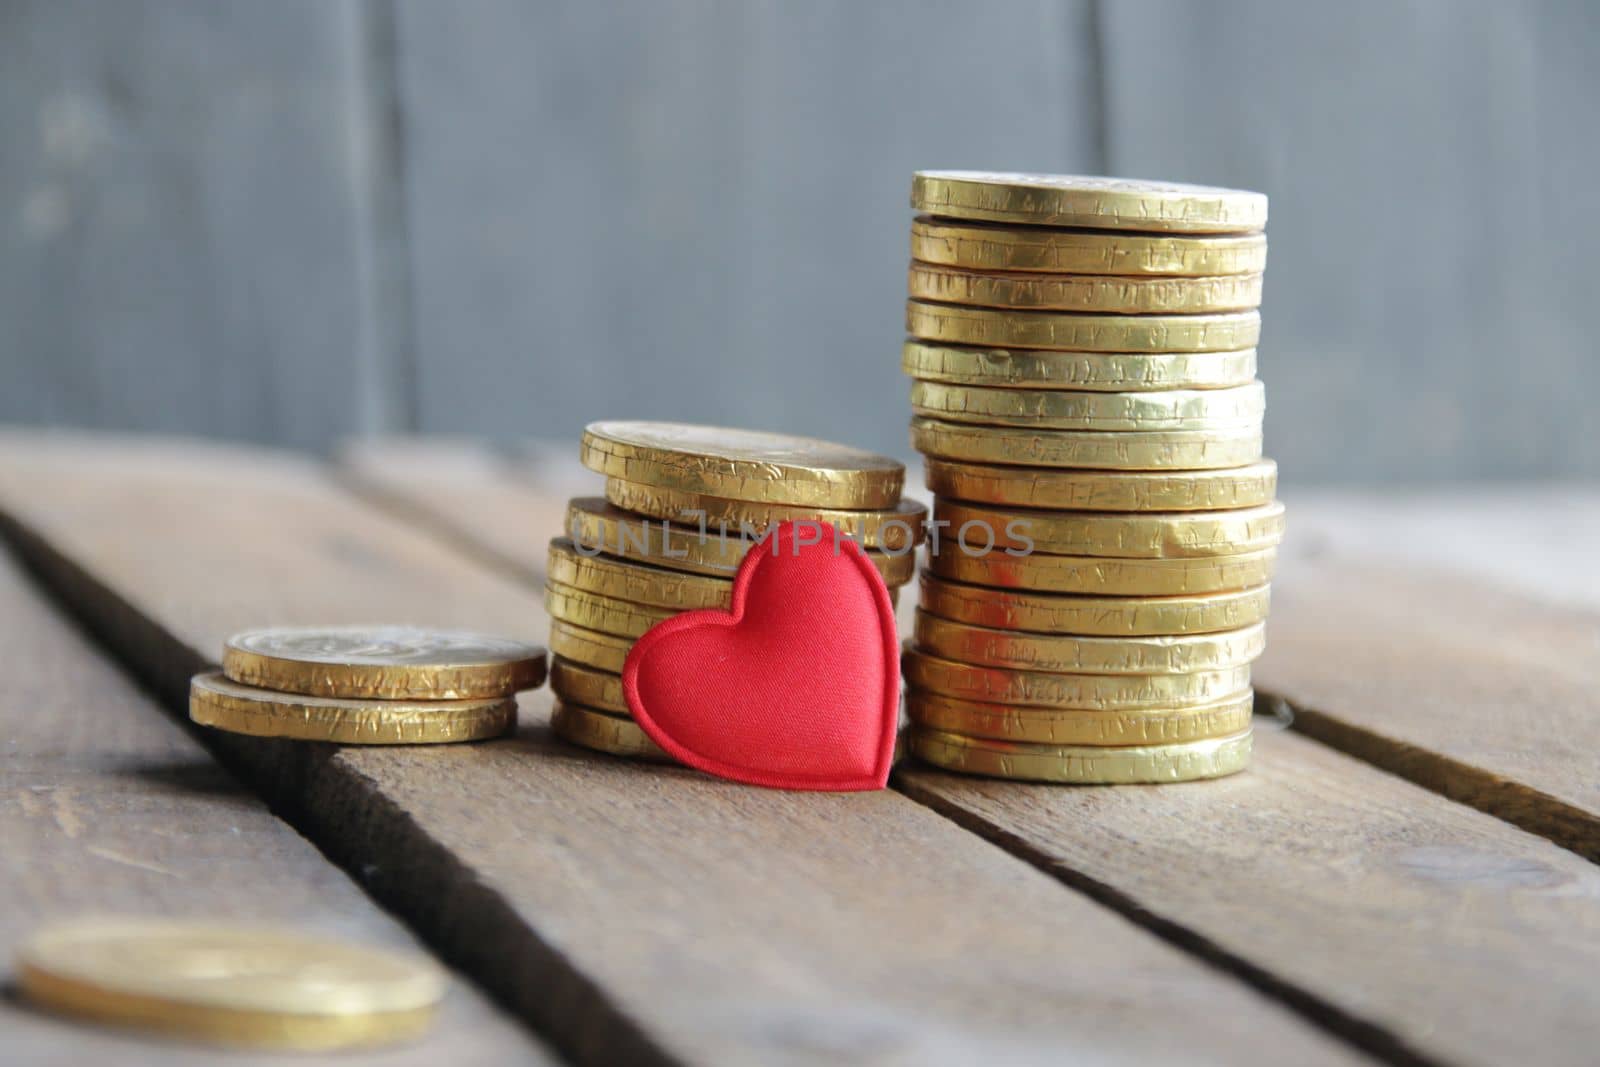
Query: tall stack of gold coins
(1084,395)
(682,506)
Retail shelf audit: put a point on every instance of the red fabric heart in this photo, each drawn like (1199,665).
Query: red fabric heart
(797,687)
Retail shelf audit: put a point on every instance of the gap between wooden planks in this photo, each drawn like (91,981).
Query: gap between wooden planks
(630,912)
(1416,926)
(109,808)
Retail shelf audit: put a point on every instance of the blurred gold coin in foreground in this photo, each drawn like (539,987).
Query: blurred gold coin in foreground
(743,464)
(1055,726)
(236,985)
(992,246)
(1073,332)
(1089,201)
(1045,409)
(603,732)
(587,686)
(1097,293)
(1115,450)
(603,652)
(1182,653)
(1082,764)
(1105,575)
(1053,689)
(1074,490)
(382,662)
(219,702)
(1101,372)
(1125,535)
(1099,616)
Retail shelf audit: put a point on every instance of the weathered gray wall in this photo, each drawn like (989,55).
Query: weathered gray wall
(295,221)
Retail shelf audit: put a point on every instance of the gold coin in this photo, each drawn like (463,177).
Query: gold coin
(988,246)
(246,986)
(615,734)
(1092,202)
(1058,726)
(578,684)
(1122,535)
(1096,293)
(1082,764)
(743,464)
(1047,613)
(219,702)
(595,524)
(603,652)
(1104,576)
(636,582)
(382,662)
(1181,654)
(1118,450)
(1222,331)
(606,614)
(1085,692)
(893,530)
(1072,490)
(1177,409)
(1100,372)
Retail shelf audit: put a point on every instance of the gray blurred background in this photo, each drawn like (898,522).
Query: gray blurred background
(292,222)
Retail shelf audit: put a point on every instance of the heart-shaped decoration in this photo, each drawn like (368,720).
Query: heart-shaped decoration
(796,687)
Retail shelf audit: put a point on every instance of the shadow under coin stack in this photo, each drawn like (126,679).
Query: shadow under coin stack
(682,505)
(1084,395)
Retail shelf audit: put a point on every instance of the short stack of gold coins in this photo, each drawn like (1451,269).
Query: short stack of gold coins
(1084,396)
(366,685)
(682,506)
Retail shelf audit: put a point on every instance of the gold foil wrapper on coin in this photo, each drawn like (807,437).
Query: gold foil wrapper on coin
(1081,764)
(743,464)
(223,704)
(1103,575)
(998,247)
(640,583)
(604,614)
(1181,654)
(953,324)
(1055,726)
(1120,450)
(382,662)
(236,985)
(1093,293)
(1074,490)
(1088,692)
(590,648)
(617,735)
(1179,409)
(1123,535)
(1102,372)
(1047,613)
(1087,201)
(577,684)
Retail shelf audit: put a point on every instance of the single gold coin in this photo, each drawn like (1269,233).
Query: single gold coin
(1104,616)
(1181,654)
(219,702)
(894,530)
(1043,409)
(1102,575)
(590,648)
(577,684)
(1074,490)
(1082,764)
(1222,331)
(1100,372)
(1088,692)
(992,246)
(743,464)
(1122,535)
(1057,726)
(640,583)
(241,985)
(1092,202)
(1116,450)
(1097,293)
(382,662)
(596,525)
(606,614)
(603,732)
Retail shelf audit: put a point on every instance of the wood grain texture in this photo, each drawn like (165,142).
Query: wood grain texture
(633,912)
(1435,933)
(107,806)
(1426,274)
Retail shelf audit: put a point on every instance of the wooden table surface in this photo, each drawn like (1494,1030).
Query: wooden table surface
(1406,874)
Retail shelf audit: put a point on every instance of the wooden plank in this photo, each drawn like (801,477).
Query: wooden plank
(1334,886)
(1450,638)
(630,911)
(108,807)
(1425,277)
(643,210)
(183,242)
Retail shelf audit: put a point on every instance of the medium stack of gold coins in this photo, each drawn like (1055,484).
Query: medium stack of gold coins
(682,506)
(1083,356)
